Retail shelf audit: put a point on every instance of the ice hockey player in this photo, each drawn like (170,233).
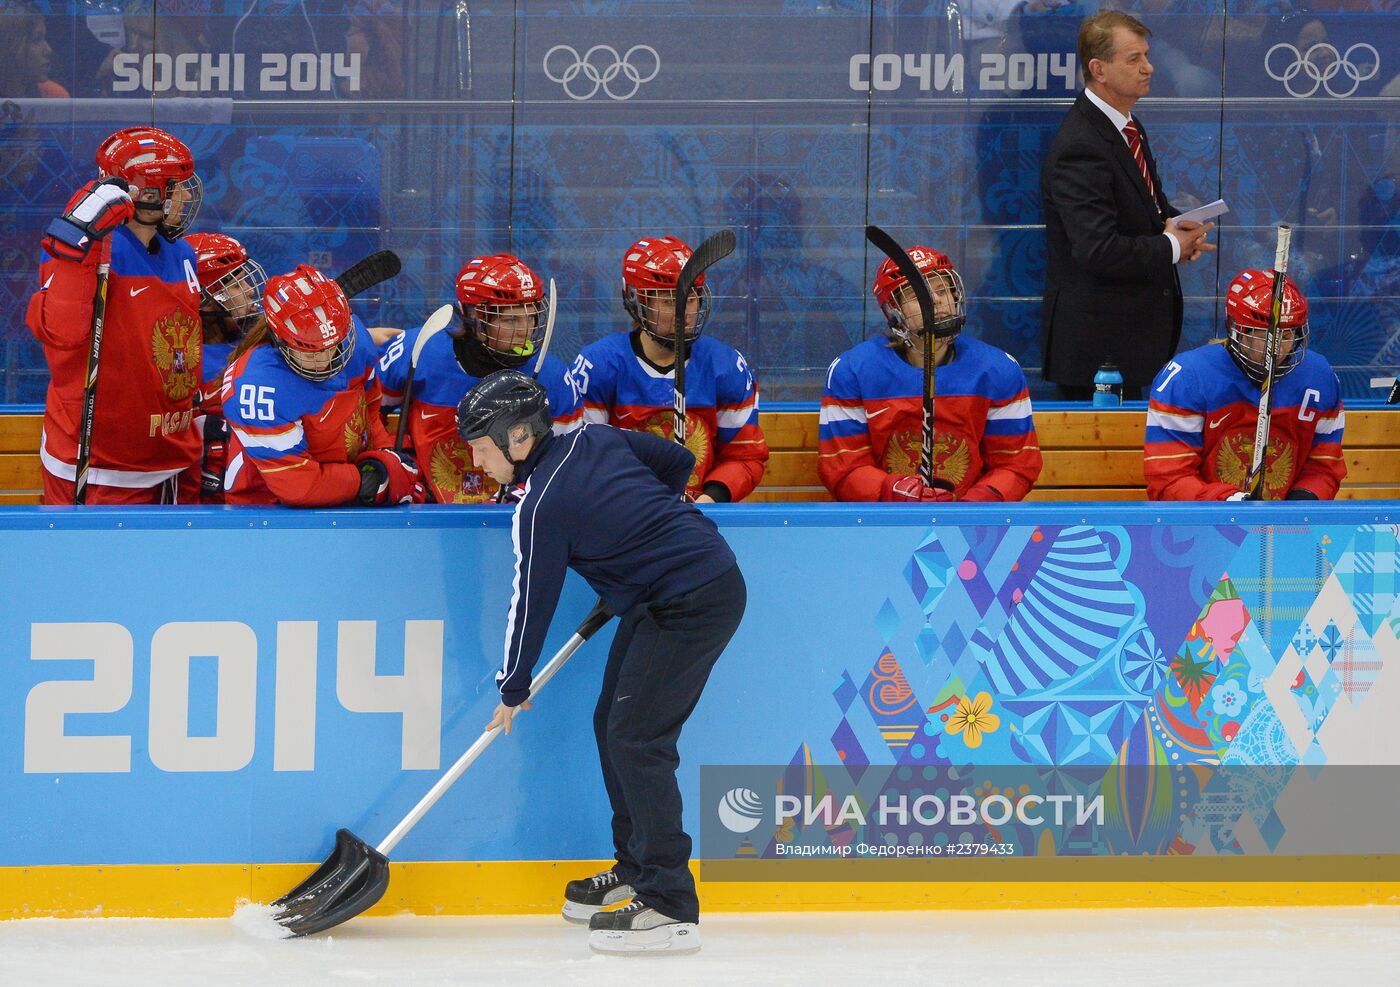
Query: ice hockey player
(607,503)
(628,379)
(302,402)
(869,439)
(145,449)
(232,286)
(503,310)
(1204,405)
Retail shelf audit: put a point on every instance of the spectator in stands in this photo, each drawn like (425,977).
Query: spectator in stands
(872,406)
(1204,406)
(25,53)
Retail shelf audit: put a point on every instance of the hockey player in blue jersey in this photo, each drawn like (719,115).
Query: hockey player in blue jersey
(503,312)
(872,406)
(1204,406)
(628,379)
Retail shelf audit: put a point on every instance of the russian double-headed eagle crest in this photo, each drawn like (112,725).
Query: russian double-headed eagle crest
(697,440)
(357,430)
(176,344)
(952,457)
(455,476)
(1235,453)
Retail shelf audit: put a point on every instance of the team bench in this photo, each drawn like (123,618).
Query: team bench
(1089,455)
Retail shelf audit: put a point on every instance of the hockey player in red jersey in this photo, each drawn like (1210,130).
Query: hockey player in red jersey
(230,303)
(1204,405)
(145,449)
(872,406)
(628,379)
(302,402)
(503,314)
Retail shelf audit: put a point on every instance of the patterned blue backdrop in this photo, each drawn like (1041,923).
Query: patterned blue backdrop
(446,129)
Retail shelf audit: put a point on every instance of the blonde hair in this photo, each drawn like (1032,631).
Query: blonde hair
(1096,36)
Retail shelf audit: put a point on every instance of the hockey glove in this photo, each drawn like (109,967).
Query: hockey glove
(387,478)
(911,489)
(95,210)
(1238,495)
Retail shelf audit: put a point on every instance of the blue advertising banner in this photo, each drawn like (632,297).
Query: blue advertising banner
(231,686)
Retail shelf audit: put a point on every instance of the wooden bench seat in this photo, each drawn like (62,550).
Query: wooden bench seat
(1089,455)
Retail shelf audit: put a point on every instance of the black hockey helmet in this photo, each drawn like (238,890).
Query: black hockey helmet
(498,403)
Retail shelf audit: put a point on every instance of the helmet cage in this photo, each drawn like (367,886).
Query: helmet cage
(239,293)
(294,358)
(942,280)
(485,333)
(640,305)
(1246,345)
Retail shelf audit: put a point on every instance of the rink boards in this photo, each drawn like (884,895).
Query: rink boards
(197,699)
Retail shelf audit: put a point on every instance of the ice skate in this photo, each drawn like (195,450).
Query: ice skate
(638,929)
(587,897)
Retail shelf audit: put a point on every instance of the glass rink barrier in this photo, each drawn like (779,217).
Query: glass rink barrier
(923,707)
(562,131)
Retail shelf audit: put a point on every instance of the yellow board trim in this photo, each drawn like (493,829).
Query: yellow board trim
(535,887)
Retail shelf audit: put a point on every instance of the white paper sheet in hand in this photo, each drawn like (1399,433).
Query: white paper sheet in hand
(1205,213)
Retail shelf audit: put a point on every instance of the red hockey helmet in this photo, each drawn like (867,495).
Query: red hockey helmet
(892,290)
(310,321)
(504,311)
(1248,303)
(651,268)
(160,170)
(227,275)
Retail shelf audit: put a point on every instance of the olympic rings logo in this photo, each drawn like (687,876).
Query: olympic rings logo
(1322,63)
(601,68)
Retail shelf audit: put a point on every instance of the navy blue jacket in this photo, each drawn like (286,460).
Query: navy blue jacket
(607,503)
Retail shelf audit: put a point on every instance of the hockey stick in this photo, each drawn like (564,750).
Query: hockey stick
(436,323)
(99,318)
(714,249)
(548,330)
(364,274)
(356,875)
(887,245)
(1254,482)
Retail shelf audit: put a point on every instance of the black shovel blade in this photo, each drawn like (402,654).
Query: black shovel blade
(351,880)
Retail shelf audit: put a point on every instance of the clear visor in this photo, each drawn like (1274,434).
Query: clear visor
(1249,346)
(656,307)
(949,308)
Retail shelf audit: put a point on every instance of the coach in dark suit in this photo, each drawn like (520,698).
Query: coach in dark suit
(1113,243)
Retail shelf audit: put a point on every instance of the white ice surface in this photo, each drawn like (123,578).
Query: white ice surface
(1317,947)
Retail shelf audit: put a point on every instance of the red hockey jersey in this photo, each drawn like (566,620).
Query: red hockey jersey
(148,382)
(872,421)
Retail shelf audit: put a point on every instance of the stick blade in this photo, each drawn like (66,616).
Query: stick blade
(714,249)
(350,881)
(365,274)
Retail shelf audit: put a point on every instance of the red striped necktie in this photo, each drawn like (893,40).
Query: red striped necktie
(1130,130)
